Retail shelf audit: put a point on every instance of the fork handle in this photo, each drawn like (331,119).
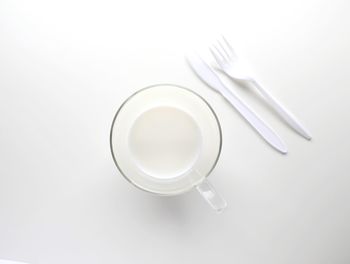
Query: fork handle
(283,112)
(255,121)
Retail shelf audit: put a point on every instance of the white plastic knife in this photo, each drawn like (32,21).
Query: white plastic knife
(208,75)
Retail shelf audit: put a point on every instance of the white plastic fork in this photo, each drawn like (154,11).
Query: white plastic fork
(235,68)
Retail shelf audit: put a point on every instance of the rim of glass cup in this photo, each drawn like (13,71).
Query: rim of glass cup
(147,88)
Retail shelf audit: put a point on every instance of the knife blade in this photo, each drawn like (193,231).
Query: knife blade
(208,76)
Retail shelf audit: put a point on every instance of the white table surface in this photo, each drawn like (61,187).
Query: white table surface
(65,68)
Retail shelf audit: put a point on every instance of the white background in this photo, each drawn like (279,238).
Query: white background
(65,68)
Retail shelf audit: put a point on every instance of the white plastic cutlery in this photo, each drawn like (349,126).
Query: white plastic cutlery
(234,67)
(207,74)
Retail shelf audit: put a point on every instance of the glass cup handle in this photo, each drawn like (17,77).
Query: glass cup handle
(213,198)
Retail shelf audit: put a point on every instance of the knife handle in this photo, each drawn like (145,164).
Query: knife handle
(255,121)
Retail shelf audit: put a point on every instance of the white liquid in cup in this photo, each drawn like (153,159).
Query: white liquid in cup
(165,142)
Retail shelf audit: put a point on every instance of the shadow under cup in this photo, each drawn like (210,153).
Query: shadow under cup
(166,139)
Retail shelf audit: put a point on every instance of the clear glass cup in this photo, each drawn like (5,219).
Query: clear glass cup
(166,139)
